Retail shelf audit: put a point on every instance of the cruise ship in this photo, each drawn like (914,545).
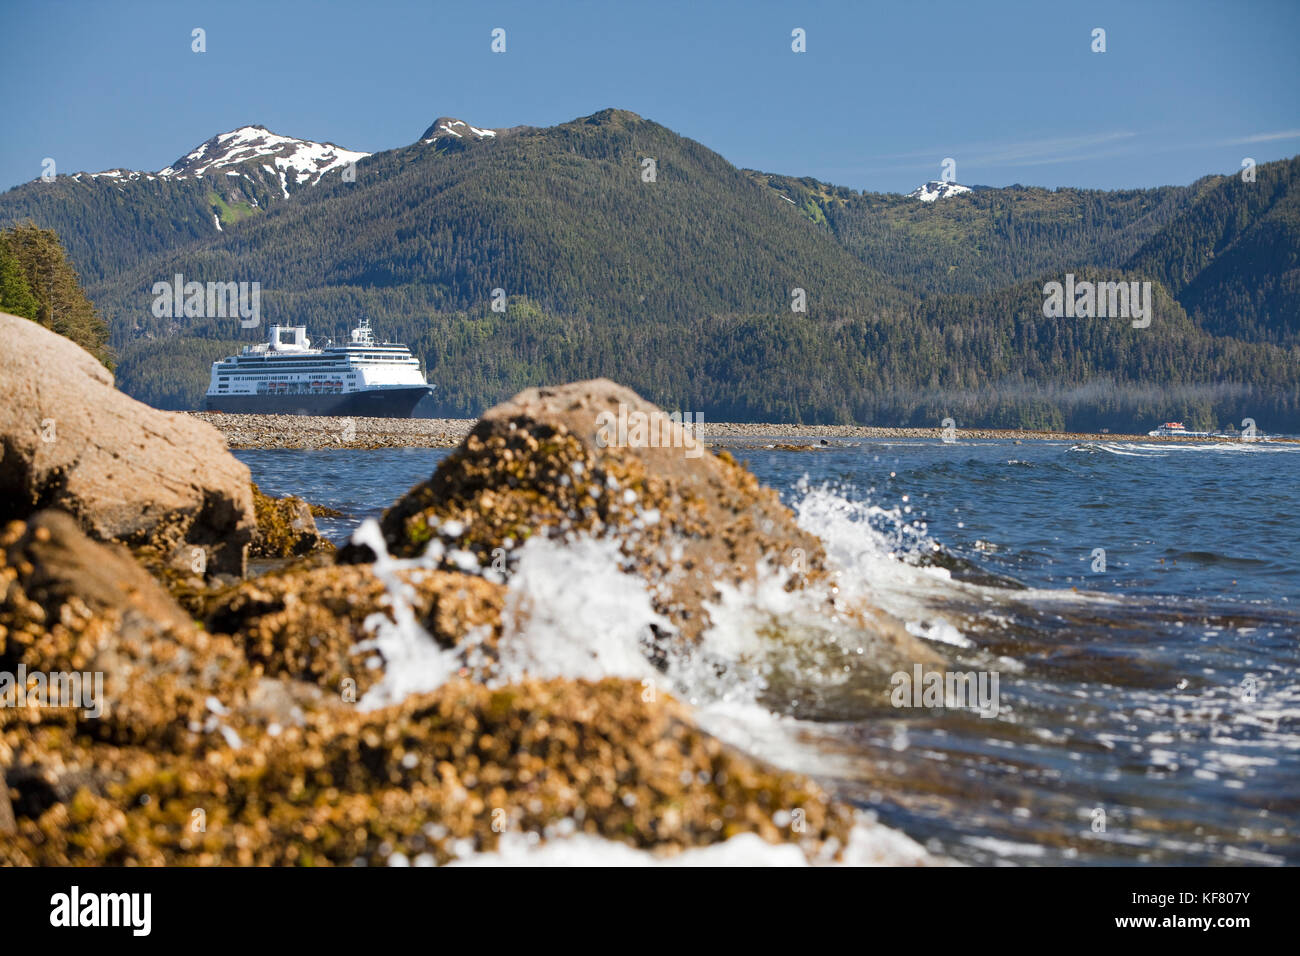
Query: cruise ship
(286,376)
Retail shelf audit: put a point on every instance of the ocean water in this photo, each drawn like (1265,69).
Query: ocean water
(1138,603)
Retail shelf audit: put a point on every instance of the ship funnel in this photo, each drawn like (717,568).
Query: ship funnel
(289,338)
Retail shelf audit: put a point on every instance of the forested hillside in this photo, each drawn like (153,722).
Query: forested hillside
(990,361)
(1233,255)
(110,224)
(680,284)
(985,239)
(1228,249)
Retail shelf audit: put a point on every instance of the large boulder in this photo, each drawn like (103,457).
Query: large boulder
(545,462)
(127,472)
(594,458)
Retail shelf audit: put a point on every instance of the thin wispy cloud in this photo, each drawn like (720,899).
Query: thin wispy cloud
(1039,152)
(1263,138)
(1058,149)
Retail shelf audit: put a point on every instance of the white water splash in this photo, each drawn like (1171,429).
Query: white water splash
(413,661)
(870,844)
(572,612)
(875,554)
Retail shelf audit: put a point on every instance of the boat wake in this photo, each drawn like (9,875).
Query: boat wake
(1164,449)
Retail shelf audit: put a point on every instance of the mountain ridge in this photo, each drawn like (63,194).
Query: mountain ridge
(259,142)
(620,246)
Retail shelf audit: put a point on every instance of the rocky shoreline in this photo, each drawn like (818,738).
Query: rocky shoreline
(399,701)
(317,432)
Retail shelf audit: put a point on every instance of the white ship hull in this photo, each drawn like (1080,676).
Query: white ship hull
(398,402)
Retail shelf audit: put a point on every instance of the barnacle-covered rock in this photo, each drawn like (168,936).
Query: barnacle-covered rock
(306,624)
(86,622)
(441,775)
(286,527)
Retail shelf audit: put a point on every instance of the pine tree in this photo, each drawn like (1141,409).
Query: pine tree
(15,294)
(54,297)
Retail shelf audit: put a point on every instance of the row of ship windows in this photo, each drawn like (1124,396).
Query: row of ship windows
(269,376)
(288,367)
(290,359)
(283,387)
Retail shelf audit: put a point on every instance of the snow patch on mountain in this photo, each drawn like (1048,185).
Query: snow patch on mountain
(295,162)
(936,189)
(445,126)
(125,175)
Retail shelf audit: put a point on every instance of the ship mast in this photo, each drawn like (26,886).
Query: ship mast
(362,334)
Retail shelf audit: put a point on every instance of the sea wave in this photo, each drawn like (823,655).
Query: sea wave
(785,676)
(1165,449)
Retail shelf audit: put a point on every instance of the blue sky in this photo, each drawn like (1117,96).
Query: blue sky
(885,91)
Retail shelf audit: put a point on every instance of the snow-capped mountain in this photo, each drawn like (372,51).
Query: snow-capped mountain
(296,162)
(936,189)
(447,126)
(290,161)
(293,162)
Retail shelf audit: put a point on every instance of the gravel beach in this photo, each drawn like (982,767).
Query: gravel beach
(312,432)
